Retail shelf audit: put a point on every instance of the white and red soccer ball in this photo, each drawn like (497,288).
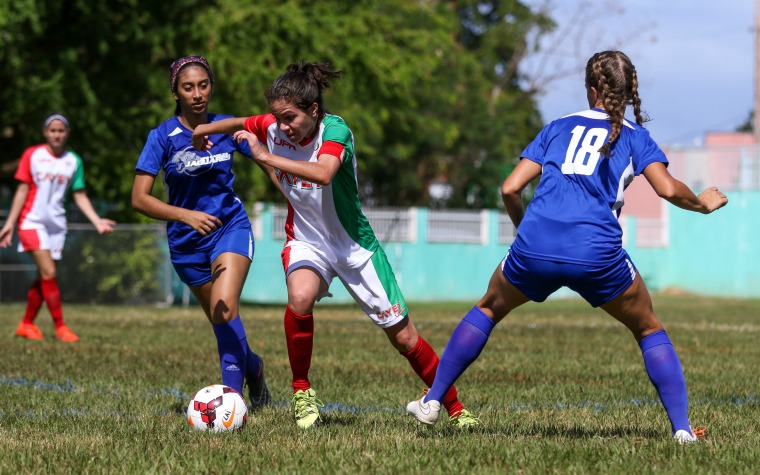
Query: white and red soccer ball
(217,408)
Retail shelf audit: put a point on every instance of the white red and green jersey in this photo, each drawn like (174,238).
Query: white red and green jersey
(329,217)
(49,177)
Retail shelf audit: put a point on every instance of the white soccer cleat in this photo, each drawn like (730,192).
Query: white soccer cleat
(425,412)
(685,437)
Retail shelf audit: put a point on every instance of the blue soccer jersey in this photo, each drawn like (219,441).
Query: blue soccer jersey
(573,216)
(195,180)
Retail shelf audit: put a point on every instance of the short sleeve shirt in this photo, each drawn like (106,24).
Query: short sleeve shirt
(573,215)
(195,180)
(328,217)
(49,178)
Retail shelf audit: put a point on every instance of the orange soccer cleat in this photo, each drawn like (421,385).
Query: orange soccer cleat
(65,334)
(29,331)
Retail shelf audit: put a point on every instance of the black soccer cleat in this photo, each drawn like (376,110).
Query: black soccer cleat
(258,393)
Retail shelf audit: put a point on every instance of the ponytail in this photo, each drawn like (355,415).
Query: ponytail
(302,84)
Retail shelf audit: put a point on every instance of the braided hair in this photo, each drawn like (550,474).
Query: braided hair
(302,84)
(613,75)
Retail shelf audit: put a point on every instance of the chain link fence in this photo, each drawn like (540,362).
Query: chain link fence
(129,266)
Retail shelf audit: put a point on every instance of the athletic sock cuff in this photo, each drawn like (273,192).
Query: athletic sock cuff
(655,339)
(479,320)
(290,313)
(418,348)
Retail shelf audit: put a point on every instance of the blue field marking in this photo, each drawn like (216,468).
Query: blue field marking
(11,381)
(339,407)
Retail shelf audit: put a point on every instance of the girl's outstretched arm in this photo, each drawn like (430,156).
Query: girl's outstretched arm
(679,194)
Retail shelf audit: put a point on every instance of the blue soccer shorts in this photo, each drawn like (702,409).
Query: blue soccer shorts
(597,284)
(195,268)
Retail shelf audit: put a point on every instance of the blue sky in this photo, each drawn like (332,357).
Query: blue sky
(694,60)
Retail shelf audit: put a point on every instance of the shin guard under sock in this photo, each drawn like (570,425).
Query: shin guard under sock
(466,342)
(33,302)
(52,297)
(299,334)
(232,345)
(665,372)
(424,361)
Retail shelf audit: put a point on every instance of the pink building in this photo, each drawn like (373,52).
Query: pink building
(728,160)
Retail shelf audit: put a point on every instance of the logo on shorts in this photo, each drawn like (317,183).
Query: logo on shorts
(396,310)
(191,162)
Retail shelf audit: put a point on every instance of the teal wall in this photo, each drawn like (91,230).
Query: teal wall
(425,271)
(715,254)
(712,254)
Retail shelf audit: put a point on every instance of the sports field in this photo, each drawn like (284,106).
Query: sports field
(560,388)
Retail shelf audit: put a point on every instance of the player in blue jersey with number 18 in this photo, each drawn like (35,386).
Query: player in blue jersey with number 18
(210,237)
(569,235)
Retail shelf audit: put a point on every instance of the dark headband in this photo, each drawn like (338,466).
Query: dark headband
(177,65)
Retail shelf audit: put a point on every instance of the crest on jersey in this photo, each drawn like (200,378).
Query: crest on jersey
(192,162)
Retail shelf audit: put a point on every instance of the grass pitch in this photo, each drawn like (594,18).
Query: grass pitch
(560,388)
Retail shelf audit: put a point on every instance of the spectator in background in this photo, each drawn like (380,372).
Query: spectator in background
(328,235)
(210,237)
(46,172)
(570,236)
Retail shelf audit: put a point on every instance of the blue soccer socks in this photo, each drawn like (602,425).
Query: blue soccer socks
(665,372)
(233,352)
(464,347)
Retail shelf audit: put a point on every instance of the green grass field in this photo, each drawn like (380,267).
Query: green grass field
(560,388)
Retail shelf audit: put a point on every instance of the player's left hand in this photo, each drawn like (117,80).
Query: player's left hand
(105,226)
(257,151)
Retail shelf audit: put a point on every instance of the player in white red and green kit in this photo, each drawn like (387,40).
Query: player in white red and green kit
(328,236)
(46,173)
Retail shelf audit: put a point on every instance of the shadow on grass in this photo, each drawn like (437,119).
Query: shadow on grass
(515,431)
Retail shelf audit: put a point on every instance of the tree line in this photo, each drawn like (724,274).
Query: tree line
(430,87)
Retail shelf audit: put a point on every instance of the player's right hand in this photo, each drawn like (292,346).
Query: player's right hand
(202,222)
(6,236)
(201,142)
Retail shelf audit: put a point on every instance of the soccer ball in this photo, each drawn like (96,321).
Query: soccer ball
(217,408)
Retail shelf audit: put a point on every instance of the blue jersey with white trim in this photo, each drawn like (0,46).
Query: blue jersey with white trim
(573,216)
(195,180)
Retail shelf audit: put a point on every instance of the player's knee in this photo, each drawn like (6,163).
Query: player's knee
(403,336)
(223,310)
(301,302)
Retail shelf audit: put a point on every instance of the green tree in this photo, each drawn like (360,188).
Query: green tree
(430,87)
(103,64)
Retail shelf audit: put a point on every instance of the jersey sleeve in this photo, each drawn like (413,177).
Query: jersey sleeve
(152,156)
(338,132)
(335,138)
(536,150)
(77,181)
(258,125)
(332,148)
(646,151)
(24,170)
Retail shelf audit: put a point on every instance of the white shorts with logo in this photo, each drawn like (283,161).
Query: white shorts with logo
(372,285)
(42,240)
